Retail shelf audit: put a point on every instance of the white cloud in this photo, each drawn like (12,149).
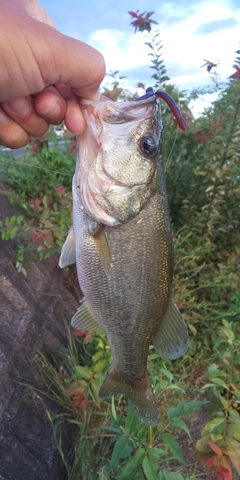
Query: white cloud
(181,45)
(121,53)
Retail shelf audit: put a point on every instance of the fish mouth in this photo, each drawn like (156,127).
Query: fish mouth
(102,185)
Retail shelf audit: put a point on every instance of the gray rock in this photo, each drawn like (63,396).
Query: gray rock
(33,313)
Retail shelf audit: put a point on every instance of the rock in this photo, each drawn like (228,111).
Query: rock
(33,314)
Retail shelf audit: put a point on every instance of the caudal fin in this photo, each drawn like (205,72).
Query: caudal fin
(139,392)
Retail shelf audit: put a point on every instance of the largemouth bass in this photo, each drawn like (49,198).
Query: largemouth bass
(121,241)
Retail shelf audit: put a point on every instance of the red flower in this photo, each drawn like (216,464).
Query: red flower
(38,237)
(35,202)
(61,190)
(78,333)
(211,463)
(237,73)
(82,333)
(142,22)
(78,398)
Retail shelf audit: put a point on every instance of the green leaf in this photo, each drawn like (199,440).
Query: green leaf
(216,426)
(13,232)
(191,406)
(174,446)
(129,472)
(219,381)
(215,373)
(139,456)
(141,433)
(94,389)
(175,411)
(118,450)
(100,366)
(83,372)
(234,415)
(234,431)
(150,468)
(131,422)
(172,476)
(114,413)
(179,423)
(19,219)
(167,373)
(97,355)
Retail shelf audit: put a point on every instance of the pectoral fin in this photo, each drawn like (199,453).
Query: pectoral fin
(84,318)
(99,239)
(68,253)
(171,340)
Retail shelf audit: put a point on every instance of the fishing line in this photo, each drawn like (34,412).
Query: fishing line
(41,168)
(168,162)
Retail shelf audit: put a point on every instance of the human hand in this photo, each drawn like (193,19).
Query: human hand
(42,74)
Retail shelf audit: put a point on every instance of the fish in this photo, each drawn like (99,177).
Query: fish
(121,241)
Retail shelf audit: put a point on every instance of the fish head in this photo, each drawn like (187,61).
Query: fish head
(118,156)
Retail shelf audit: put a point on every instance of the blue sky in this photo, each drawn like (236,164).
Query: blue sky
(191,31)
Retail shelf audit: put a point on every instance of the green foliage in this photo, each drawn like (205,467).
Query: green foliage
(155,45)
(39,173)
(220,441)
(46,203)
(126,449)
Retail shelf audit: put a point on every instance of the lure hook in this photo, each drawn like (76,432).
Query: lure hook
(170,102)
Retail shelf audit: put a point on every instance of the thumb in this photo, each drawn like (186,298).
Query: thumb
(71,62)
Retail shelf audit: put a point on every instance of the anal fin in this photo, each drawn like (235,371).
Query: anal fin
(84,318)
(171,340)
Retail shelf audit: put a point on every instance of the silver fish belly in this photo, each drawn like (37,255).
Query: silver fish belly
(122,244)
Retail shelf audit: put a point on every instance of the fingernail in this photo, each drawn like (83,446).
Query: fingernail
(53,111)
(20,106)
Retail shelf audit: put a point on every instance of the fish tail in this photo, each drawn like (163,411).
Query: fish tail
(139,392)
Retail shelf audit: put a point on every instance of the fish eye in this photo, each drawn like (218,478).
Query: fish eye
(148,145)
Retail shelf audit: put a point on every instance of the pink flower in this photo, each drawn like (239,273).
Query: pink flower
(60,189)
(78,398)
(141,85)
(82,333)
(38,237)
(237,73)
(78,333)
(35,202)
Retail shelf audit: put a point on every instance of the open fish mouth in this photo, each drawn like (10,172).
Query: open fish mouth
(112,127)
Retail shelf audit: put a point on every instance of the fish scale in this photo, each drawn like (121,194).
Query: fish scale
(123,248)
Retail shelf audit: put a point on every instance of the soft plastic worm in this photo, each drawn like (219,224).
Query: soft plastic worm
(171,103)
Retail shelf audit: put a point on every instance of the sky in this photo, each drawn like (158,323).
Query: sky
(190,30)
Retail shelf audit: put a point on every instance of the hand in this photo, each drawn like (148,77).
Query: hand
(42,74)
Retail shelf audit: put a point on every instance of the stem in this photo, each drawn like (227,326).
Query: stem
(150,437)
